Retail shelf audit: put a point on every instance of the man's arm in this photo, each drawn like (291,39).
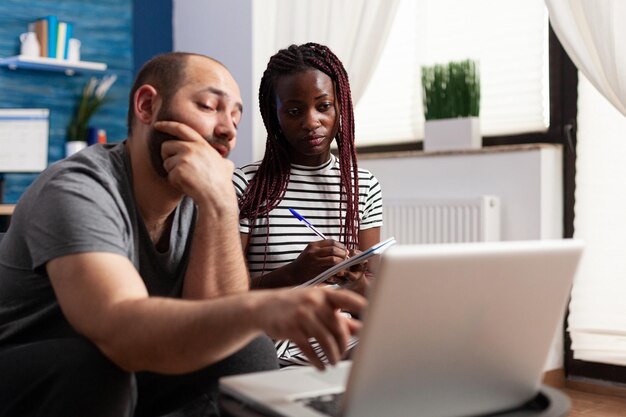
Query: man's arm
(216,264)
(105,299)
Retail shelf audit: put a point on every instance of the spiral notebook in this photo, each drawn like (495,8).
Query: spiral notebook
(376,249)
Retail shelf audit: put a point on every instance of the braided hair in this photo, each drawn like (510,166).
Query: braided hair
(268,186)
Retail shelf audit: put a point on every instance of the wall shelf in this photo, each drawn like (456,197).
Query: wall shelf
(51,64)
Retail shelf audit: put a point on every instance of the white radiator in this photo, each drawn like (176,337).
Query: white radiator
(449,220)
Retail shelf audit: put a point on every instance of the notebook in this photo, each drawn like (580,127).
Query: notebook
(451,330)
(376,249)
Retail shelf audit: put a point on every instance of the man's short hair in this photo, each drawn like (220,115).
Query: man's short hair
(165,72)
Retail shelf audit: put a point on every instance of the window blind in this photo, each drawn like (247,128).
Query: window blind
(509,38)
(597,317)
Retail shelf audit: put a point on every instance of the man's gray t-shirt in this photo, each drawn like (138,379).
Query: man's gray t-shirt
(82,204)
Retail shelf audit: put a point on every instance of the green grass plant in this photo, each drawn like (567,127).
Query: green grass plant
(451,90)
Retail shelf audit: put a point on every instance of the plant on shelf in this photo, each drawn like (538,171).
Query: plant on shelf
(451,97)
(92,98)
(451,90)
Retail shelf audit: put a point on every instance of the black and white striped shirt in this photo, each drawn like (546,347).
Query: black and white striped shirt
(315,193)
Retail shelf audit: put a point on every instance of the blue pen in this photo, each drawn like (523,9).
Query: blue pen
(306,222)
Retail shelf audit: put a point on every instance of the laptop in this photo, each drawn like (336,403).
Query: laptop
(451,330)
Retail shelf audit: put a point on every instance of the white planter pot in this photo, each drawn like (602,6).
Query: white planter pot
(450,134)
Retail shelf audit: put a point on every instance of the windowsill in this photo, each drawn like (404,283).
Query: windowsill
(483,150)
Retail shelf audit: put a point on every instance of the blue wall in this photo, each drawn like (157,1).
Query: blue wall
(152,22)
(105,28)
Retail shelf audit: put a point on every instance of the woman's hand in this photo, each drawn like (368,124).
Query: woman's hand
(316,258)
(356,278)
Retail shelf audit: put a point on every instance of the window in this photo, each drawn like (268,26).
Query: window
(560,109)
(508,38)
(596,313)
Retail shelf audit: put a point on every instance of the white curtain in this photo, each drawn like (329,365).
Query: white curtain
(355,30)
(594,35)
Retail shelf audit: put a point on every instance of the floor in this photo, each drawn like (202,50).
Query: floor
(585,404)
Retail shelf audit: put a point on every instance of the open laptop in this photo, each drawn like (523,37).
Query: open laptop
(451,330)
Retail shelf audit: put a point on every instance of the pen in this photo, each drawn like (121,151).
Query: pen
(306,222)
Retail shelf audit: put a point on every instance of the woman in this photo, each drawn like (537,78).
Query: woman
(306,104)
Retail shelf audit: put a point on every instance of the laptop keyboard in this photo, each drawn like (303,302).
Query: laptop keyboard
(327,404)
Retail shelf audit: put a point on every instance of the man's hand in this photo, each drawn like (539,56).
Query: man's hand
(302,314)
(196,168)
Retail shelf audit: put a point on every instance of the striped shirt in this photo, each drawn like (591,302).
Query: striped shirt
(315,193)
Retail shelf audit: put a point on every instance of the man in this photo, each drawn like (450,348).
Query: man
(102,246)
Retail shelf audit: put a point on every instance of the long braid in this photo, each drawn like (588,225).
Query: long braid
(269,185)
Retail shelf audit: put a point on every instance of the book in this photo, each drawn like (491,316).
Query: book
(52,35)
(61,40)
(68,35)
(41,29)
(376,249)
(64,41)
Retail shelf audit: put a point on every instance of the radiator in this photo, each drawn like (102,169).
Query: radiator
(449,220)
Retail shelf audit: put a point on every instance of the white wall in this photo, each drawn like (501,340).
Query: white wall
(528,180)
(222,30)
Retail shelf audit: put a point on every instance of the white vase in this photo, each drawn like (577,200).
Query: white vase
(73,50)
(74,146)
(452,134)
(29,44)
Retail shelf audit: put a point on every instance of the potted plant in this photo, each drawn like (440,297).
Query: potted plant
(92,98)
(451,95)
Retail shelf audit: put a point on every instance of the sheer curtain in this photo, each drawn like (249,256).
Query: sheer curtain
(356,31)
(594,36)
